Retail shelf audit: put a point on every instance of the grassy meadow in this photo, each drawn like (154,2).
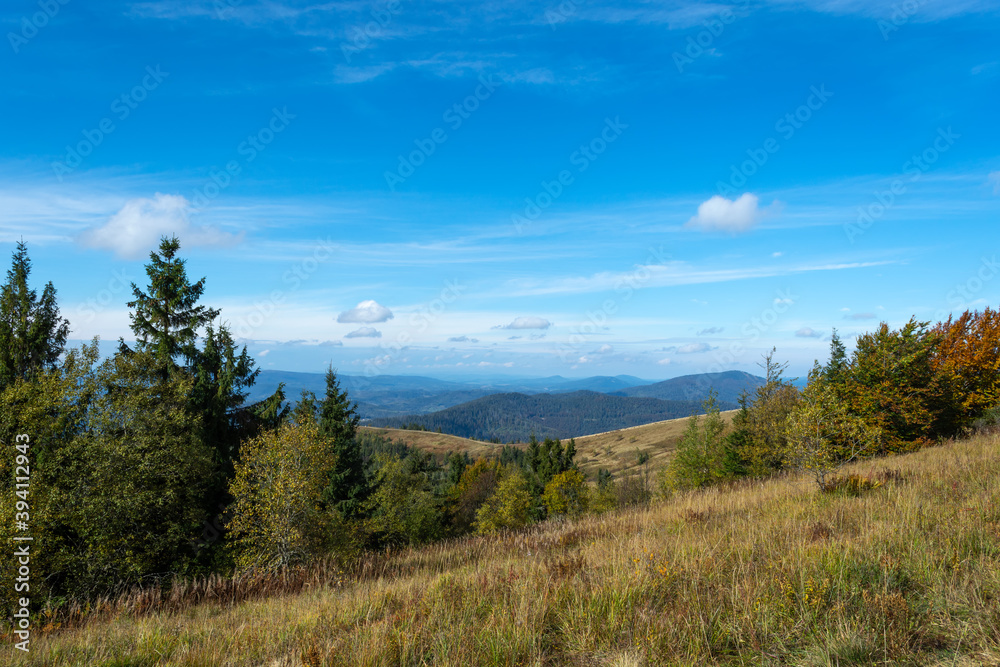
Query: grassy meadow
(759,573)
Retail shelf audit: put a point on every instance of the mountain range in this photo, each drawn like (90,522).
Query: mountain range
(509,409)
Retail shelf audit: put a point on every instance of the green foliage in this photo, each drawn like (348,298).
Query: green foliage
(305,409)
(548,459)
(403,508)
(758,441)
(477,483)
(701,452)
(511,506)
(166,320)
(567,494)
(822,436)
(348,486)
(892,384)
(32,334)
(278,518)
(118,479)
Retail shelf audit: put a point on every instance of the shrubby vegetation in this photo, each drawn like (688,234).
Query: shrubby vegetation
(898,391)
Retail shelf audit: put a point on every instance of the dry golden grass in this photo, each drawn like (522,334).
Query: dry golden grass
(438,444)
(617,450)
(763,573)
(614,450)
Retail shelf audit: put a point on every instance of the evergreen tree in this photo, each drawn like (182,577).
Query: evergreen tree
(338,423)
(165,320)
(305,410)
(834,371)
(32,334)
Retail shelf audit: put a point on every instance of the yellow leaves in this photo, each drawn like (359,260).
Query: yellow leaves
(277,487)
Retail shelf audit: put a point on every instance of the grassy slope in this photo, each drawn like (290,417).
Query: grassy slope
(767,573)
(614,450)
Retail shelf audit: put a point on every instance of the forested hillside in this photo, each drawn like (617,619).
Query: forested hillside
(515,417)
(728,386)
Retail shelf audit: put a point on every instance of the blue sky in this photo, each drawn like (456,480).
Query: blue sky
(459,189)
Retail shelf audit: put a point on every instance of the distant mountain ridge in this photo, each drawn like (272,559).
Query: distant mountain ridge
(384,396)
(514,417)
(728,385)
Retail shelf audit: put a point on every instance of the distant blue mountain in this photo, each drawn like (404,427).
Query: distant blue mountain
(407,395)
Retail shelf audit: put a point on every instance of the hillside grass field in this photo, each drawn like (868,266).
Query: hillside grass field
(759,573)
(614,450)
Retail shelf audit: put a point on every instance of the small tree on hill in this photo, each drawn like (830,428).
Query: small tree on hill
(567,494)
(701,452)
(822,436)
(511,505)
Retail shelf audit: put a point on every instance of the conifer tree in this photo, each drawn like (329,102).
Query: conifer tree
(166,320)
(338,422)
(32,333)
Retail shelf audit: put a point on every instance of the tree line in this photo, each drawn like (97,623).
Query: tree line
(898,391)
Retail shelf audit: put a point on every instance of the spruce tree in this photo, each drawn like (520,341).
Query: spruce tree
(166,320)
(338,422)
(837,367)
(32,334)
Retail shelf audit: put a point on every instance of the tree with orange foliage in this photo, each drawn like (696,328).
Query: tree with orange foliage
(969,356)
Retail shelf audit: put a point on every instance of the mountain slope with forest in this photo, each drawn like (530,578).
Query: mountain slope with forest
(514,417)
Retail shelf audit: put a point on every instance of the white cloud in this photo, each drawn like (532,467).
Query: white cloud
(721,214)
(462,339)
(331,343)
(663,362)
(530,322)
(263,353)
(364,332)
(135,230)
(783,300)
(694,348)
(807,332)
(604,349)
(366,312)
(711,330)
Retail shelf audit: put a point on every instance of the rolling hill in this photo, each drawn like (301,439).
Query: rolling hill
(729,385)
(515,417)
